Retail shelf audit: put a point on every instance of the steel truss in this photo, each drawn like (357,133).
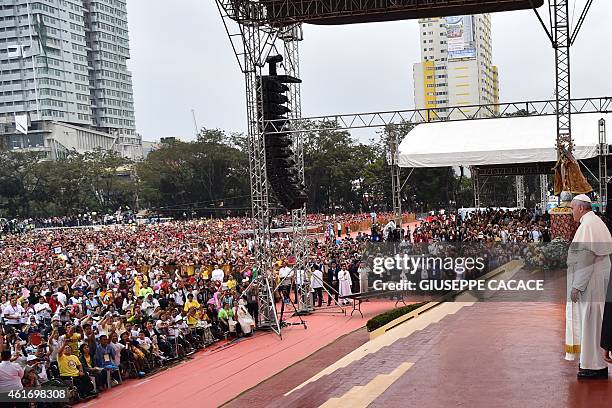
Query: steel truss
(603,166)
(520,191)
(252,44)
(562,38)
(460,113)
(287,12)
(393,141)
(291,37)
(543,191)
(559,10)
(516,170)
(475,171)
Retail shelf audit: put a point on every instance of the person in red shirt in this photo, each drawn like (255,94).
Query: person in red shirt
(54,303)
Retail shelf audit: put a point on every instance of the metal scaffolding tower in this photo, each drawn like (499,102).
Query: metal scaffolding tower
(562,38)
(520,191)
(393,140)
(252,44)
(291,37)
(561,44)
(476,186)
(603,166)
(543,192)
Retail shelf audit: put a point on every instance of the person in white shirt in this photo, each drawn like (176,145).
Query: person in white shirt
(43,311)
(504,236)
(144,342)
(10,373)
(285,274)
(536,235)
(129,301)
(76,299)
(178,297)
(149,305)
(13,314)
(316,283)
(364,272)
(388,229)
(61,297)
(91,303)
(113,278)
(27,312)
(217,274)
(114,343)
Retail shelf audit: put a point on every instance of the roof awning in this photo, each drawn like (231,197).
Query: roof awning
(496,141)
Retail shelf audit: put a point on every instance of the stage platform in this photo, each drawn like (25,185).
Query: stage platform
(459,354)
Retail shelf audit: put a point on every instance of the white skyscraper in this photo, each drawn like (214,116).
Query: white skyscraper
(456,67)
(64,77)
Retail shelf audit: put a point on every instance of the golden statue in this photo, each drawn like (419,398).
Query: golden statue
(568,176)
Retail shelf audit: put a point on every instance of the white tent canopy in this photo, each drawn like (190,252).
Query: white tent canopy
(496,141)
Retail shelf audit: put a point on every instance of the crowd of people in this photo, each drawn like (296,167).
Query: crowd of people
(93,306)
(488,225)
(16,226)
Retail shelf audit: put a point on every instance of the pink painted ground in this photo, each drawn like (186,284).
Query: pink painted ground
(215,377)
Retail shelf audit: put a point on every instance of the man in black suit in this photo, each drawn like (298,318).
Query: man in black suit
(354,266)
(606,327)
(332,279)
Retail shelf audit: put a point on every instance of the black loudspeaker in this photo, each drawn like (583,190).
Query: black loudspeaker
(281,164)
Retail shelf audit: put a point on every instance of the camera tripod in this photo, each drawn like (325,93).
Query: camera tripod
(285,292)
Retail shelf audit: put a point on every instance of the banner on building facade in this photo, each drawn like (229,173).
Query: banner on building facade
(460,37)
(21,123)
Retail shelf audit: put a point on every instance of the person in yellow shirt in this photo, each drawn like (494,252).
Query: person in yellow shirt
(190,270)
(192,317)
(137,284)
(71,338)
(231,283)
(70,368)
(191,302)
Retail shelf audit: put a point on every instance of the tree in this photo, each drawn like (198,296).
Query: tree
(205,176)
(334,165)
(19,181)
(78,183)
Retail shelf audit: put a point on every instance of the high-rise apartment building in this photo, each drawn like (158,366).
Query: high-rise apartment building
(65,61)
(109,50)
(456,67)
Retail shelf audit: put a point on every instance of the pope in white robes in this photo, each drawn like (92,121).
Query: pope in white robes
(344,282)
(588,273)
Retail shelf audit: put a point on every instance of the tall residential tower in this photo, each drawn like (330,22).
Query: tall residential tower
(64,82)
(456,67)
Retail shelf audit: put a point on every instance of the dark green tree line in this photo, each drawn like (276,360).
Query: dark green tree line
(210,176)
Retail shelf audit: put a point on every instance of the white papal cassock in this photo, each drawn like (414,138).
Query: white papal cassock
(345,282)
(588,270)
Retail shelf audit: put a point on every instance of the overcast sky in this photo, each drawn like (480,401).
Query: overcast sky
(182,60)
